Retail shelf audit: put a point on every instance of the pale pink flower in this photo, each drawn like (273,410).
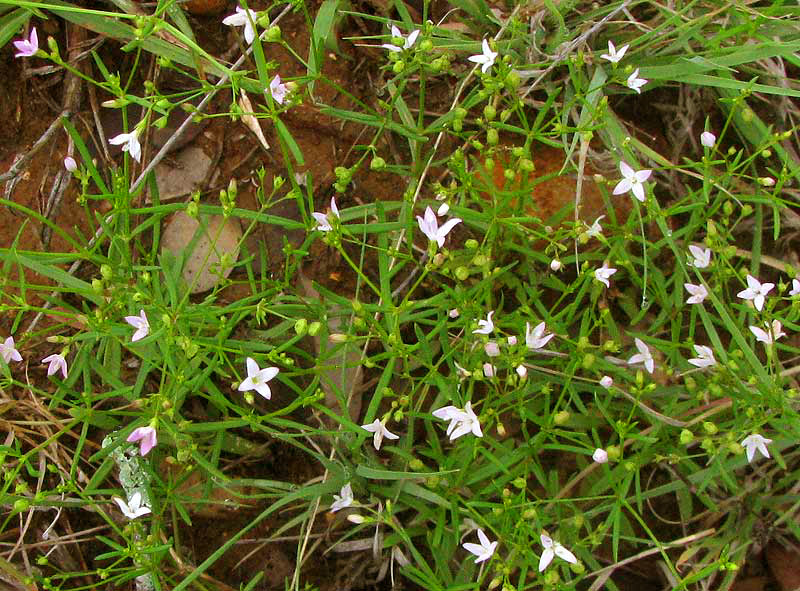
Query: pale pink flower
(70,165)
(632,181)
(600,456)
(486,326)
(538,337)
(697,293)
(379,430)
(614,54)
(27,47)
(324,220)
(701,257)
(756,291)
(773,333)
(485,59)
(462,421)
(343,499)
(257,378)
(130,143)
(9,352)
(604,273)
(141,325)
(634,82)
(552,549)
(146,436)
(133,508)
(705,356)
(756,442)
(430,226)
(408,42)
(57,362)
(643,356)
(482,551)
(277,90)
(243,18)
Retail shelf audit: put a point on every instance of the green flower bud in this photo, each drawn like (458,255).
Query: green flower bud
(273,34)
(686,437)
(489,112)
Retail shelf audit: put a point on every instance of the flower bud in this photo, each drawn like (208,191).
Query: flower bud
(555,265)
(600,456)
(708,139)
(606,381)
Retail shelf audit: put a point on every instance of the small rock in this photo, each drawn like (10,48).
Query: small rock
(202,266)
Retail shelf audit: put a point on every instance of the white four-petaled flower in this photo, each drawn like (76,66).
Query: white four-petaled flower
(634,82)
(614,54)
(430,226)
(461,421)
(57,362)
(701,257)
(408,42)
(705,356)
(134,508)
(130,143)
(632,181)
(536,338)
(27,47)
(486,59)
(552,549)
(756,291)
(482,551)
(486,326)
(141,325)
(243,18)
(342,500)
(323,220)
(257,378)
(278,90)
(773,333)
(753,443)
(8,351)
(147,438)
(643,356)
(378,428)
(604,273)
(697,293)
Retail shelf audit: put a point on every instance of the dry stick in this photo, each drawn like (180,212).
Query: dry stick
(604,573)
(21,161)
(569,47)
(156,159)
(71,102)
